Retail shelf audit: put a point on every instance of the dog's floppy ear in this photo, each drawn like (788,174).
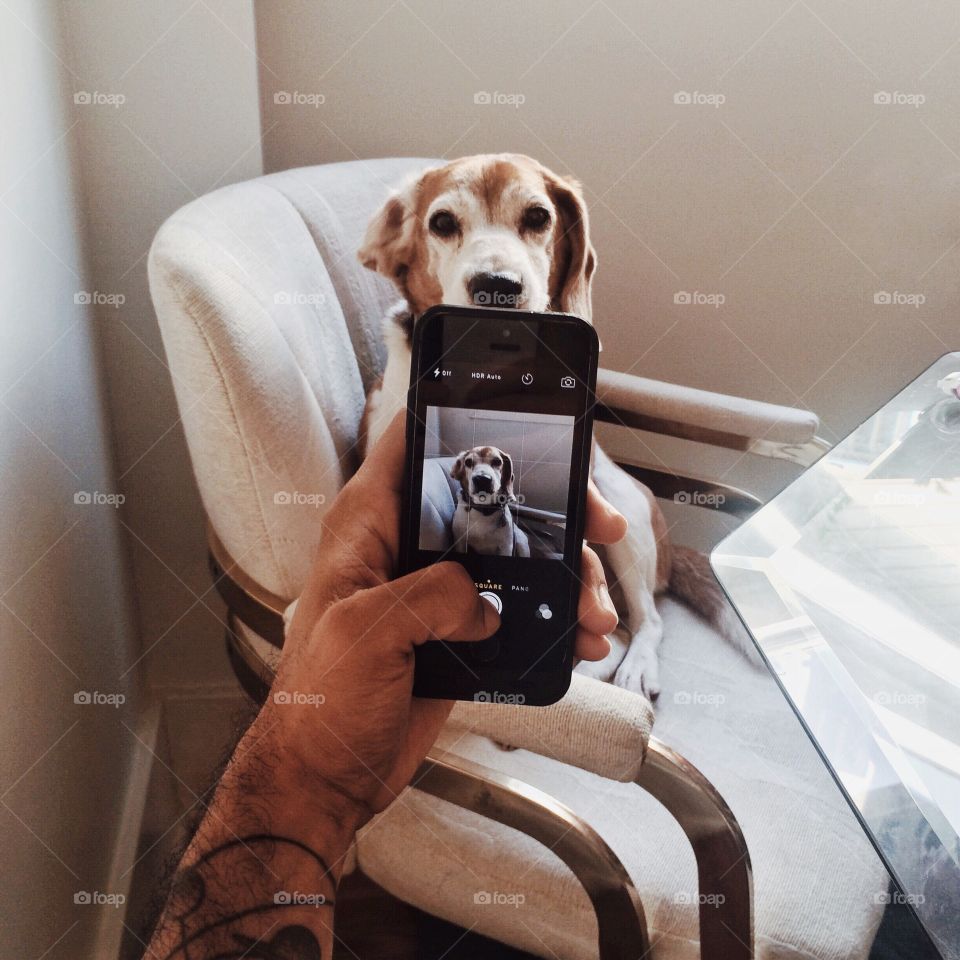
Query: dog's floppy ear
(506,475)
(457,471)
(574,259)
(388,244)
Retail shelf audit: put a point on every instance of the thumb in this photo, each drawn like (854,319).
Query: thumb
(439,602)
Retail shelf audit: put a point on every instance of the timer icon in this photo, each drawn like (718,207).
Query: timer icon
(527,379)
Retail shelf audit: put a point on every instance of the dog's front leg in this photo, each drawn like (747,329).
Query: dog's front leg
(640,670)
(633,569)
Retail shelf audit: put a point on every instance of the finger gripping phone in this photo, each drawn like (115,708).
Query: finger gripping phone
(499,426)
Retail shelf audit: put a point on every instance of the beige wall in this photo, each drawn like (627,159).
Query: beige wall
(168,110)
(798,199)
(66,623)
(189,122)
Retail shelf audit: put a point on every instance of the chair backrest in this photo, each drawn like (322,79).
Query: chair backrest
(272,331)
(438,504)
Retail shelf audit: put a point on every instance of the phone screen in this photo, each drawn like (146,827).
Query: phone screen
(500,421)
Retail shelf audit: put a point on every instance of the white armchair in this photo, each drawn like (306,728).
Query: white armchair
(272,332)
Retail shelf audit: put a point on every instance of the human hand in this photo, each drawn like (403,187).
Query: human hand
(352,638)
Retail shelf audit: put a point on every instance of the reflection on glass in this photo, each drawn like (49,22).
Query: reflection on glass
(849,582)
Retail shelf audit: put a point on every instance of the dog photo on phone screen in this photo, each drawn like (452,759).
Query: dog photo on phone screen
(495,482)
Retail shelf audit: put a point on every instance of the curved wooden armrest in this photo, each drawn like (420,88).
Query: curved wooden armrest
(252,604)
(621,923)
(598,713)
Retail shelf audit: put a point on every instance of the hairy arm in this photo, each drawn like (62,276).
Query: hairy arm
(259,879)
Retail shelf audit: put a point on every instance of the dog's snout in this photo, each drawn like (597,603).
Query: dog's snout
(495,290)
(483,483)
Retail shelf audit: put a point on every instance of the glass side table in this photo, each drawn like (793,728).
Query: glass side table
(849,583)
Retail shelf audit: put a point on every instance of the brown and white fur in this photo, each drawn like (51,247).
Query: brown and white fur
(482,521)
(502,229)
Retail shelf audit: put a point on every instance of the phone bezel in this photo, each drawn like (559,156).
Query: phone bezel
(546,685)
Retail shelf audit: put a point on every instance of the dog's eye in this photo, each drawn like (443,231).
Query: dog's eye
(468,462)
(443,224)
(496,462)
(536,218)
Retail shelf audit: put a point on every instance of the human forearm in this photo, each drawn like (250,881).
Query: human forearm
(259,878)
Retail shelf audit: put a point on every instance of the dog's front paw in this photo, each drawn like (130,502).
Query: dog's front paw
(640,672)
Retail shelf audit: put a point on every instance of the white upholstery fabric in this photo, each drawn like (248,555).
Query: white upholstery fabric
(272,334)
(590,715)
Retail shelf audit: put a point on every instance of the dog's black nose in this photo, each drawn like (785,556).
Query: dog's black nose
(482,484)
(495,290)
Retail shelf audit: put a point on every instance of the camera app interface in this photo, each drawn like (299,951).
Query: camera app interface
(501,423)
(495,482)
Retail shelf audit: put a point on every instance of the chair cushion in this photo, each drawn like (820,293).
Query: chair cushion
(816,877)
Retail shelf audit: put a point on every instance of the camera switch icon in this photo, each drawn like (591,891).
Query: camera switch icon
(568,382)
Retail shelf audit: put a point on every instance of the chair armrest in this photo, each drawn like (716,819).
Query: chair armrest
(664,407)
(596,726)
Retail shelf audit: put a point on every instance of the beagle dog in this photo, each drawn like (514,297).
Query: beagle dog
(483,521)
(503,230)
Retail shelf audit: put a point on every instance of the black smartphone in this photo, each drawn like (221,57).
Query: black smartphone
(499,427)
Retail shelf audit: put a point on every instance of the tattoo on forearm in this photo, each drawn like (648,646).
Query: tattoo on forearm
(230,902)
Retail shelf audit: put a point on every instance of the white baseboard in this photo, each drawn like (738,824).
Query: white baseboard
(110,931)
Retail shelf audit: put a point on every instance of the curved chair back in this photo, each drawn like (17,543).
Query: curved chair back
(272,330)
